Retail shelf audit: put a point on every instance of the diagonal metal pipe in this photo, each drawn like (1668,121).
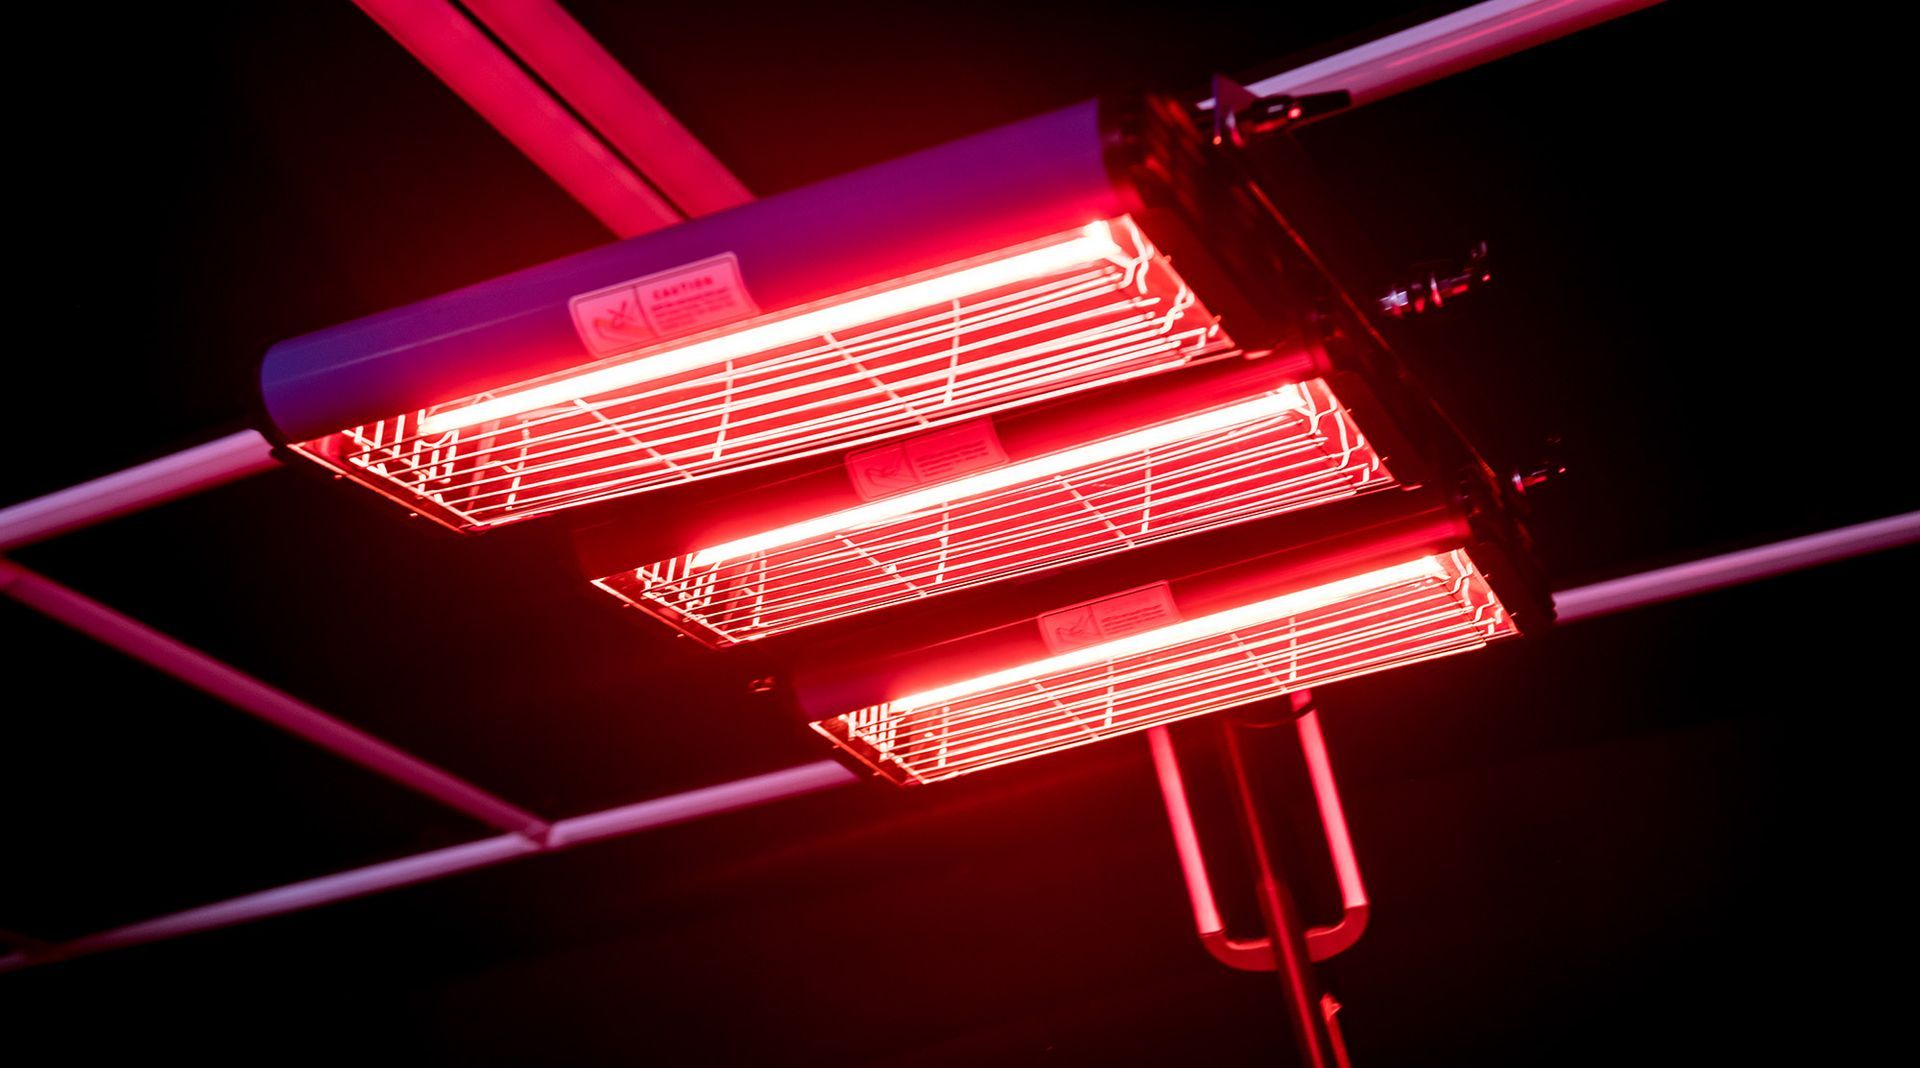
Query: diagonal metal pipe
(250,695)
(441,863)
(447,43)
(1447,45)
(593,83)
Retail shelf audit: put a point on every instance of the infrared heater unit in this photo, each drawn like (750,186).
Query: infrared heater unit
(1067,253)
(1178,633)
(1000,497)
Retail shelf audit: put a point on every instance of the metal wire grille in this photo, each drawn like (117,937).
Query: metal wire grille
(1308,454)
(1120,313)
(1429,608)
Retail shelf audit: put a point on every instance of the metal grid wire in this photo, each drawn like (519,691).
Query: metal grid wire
(1449,611)
(1088,325)
(1265,466)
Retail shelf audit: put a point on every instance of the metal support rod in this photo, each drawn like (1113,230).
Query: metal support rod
(1447,45)
(249,694)
(440,863)
(455,50)
(1735,568)
(1284,932)
(181,474)
(581,73)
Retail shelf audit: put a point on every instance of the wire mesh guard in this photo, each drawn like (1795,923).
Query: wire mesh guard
(1070,312)
(1429,607)
(1282,451)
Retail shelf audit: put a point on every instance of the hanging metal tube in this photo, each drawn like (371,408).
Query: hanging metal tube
(1324,942)
(1246,954)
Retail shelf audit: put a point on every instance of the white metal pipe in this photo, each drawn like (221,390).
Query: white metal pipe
(440,863)
(182,474)
(1447,45)
(1732,569)
(695,804)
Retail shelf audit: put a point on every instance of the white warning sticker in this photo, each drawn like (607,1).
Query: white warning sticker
(1114,616)
(927,458)
(680,301)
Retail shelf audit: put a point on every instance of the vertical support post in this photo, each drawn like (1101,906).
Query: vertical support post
(1285,932)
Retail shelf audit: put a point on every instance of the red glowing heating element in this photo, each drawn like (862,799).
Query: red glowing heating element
(1130,662)
(1282,450)
(1067,313)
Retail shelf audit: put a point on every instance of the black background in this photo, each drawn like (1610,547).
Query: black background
(1663,837)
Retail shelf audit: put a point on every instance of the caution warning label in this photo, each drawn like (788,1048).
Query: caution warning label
(940,456)
(1115,616)
(683,300)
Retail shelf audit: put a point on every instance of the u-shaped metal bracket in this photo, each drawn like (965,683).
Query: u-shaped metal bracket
(1256,954)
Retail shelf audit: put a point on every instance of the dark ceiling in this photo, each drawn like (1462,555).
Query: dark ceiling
(1632,839)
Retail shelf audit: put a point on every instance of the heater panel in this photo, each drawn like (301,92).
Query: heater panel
(1070,312)
(1285,449)
(1417,610)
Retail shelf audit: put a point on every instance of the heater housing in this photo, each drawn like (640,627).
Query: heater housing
(1083,248)
(1179,630)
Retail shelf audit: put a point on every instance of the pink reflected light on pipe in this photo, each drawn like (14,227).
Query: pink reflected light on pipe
(454,49)
(1324,942)
(594,84)
(1447,45)
(137,488)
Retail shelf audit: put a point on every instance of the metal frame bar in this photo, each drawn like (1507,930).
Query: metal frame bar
(244,692)
(440,863)
(581,72)
(1735,568)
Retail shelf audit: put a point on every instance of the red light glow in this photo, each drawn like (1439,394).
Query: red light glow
(1070,312)
(1423,608)
(1282,450)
